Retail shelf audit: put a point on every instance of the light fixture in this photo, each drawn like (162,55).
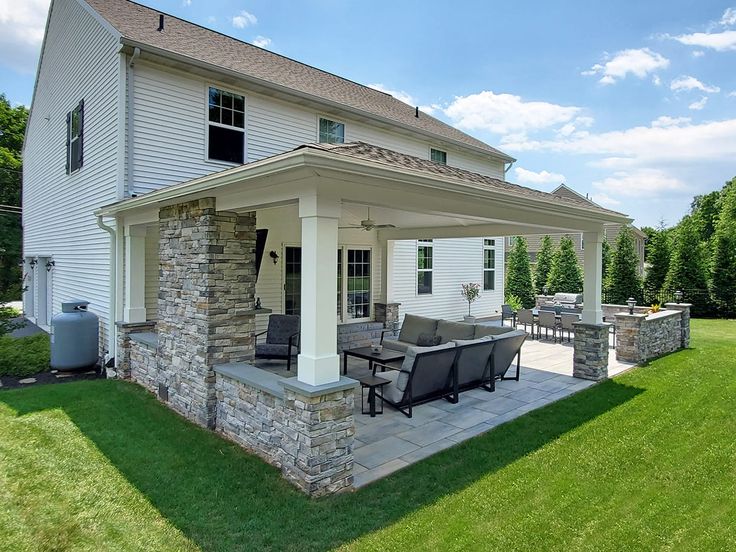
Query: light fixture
(678,296)
(33,262)
(632,303)
(50,265)
(274,256)
(545,289)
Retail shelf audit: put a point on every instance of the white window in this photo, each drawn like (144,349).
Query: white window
(489,264)
(226,126)
(357,284)
(425,266)
(331,132)
(74,138)
(438,156)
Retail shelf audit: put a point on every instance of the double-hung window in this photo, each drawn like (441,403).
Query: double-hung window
(331,132)
(425,266)
(489,264)
(75,139)
(226,126)
(438,156)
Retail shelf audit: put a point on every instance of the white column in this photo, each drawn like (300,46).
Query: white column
(387,257)
(135,274)
(319,362)
(593,281)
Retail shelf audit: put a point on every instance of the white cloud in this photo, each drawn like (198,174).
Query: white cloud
(666,121)
(398,94)
(186,3)
(656,81)
(729,17)
(244,19)
(605,200)
(640,183)
(699,105)
(698,53)
(524,176)
(22,25)
(506,113)
(261,41)
(720,42)
(732,94)
(691,83)
(211,19)
(638,62)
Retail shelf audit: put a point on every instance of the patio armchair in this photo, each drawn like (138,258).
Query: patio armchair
(548,321)
(426,374)
(567,322)
(525,317)
(282,339)
(508,312)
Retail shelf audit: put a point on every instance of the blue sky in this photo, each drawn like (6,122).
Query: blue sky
(633,103)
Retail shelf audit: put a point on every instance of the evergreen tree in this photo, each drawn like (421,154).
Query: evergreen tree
(519,277)
(544,264)
(623,281)
(687,270)
(659,262)
(565,276)
(606,258)
(723,256)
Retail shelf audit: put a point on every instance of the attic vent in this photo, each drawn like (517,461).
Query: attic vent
(161,22)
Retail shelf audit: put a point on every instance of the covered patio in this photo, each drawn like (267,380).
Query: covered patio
(197,355)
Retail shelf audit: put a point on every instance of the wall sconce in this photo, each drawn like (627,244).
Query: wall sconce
(678,296)
(274,256)
(632,303)
(50,265)
(33,263)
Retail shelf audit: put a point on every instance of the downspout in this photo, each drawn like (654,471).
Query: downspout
(112,306)
(131,90)
(507,169)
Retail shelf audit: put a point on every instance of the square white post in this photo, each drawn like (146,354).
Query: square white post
(135,274)
(593,280)
(319,362)
(387,257)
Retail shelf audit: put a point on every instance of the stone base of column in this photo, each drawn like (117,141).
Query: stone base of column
(388,315)
(684,308)
(628,337)
(122,361)
(590,359)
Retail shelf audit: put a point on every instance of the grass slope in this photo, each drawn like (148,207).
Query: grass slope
(646,461)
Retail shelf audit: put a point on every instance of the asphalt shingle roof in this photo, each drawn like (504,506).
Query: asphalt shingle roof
(140,24)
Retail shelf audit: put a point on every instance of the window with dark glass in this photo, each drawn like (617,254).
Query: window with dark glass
(489,264)
(331,132)
(226,128)
(424,267)
(438,156)
(75,138)
(358,283)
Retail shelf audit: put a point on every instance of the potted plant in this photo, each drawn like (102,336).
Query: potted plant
(470,293)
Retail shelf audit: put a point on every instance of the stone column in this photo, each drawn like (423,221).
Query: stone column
(590,359)
(628,336)
(388,314)
(593,281)
(684,308)
(319,362)
(122,360)
(318,436)
(135,274)
(207,284)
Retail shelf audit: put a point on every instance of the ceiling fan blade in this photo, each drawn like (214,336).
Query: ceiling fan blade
(384,226)
(350,227)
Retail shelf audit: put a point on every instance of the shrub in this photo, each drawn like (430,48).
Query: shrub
(24,356)
(514,302)
(565,275)
(519,275)
(623,280)
(544,264)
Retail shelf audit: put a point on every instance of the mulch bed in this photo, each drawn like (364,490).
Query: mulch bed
(54,376)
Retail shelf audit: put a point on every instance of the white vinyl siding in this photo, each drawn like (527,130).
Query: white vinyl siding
(79,60)
(455,262)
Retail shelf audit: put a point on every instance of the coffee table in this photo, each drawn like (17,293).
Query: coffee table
(366,353)
(371,383)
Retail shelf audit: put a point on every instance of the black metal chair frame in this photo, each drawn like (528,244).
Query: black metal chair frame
(293,342)
(505,316)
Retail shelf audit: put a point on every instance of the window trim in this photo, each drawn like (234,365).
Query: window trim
(332,120)
(79,138)
(431,149)
(423,243)
(207,124)
(493,248)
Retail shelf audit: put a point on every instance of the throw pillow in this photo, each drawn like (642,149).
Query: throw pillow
(428,340)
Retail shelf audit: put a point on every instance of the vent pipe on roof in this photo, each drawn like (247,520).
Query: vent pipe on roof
(161,22)
(416,112)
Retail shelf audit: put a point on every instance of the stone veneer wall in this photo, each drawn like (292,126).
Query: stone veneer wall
(590,357)
(641,337)
(123,361)
(206,288)
(144,366)
(309,437)
(361,334)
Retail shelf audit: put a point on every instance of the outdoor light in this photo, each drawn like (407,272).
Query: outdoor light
(545,289)
(33,262)
(678,296)
(274,256)
(50,265)
(632,303)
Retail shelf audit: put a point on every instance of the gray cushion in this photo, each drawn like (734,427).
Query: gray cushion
(275,349)
(408,363)
(396,345)
(428,340)
(461,342)
(482,330)
(454,330)
(391,391)
(280,327)
(415,325)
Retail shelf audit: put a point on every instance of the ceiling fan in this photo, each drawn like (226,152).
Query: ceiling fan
(369,224)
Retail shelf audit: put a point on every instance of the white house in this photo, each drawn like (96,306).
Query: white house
(112,118)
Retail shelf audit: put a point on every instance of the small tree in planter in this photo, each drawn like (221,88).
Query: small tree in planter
(470,293)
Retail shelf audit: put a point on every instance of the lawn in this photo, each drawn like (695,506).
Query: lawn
(645,461)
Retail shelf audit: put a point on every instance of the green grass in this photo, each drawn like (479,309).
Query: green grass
(24,356)
(646,461)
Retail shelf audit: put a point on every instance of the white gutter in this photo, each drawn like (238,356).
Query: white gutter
(131,95)
(112,314)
